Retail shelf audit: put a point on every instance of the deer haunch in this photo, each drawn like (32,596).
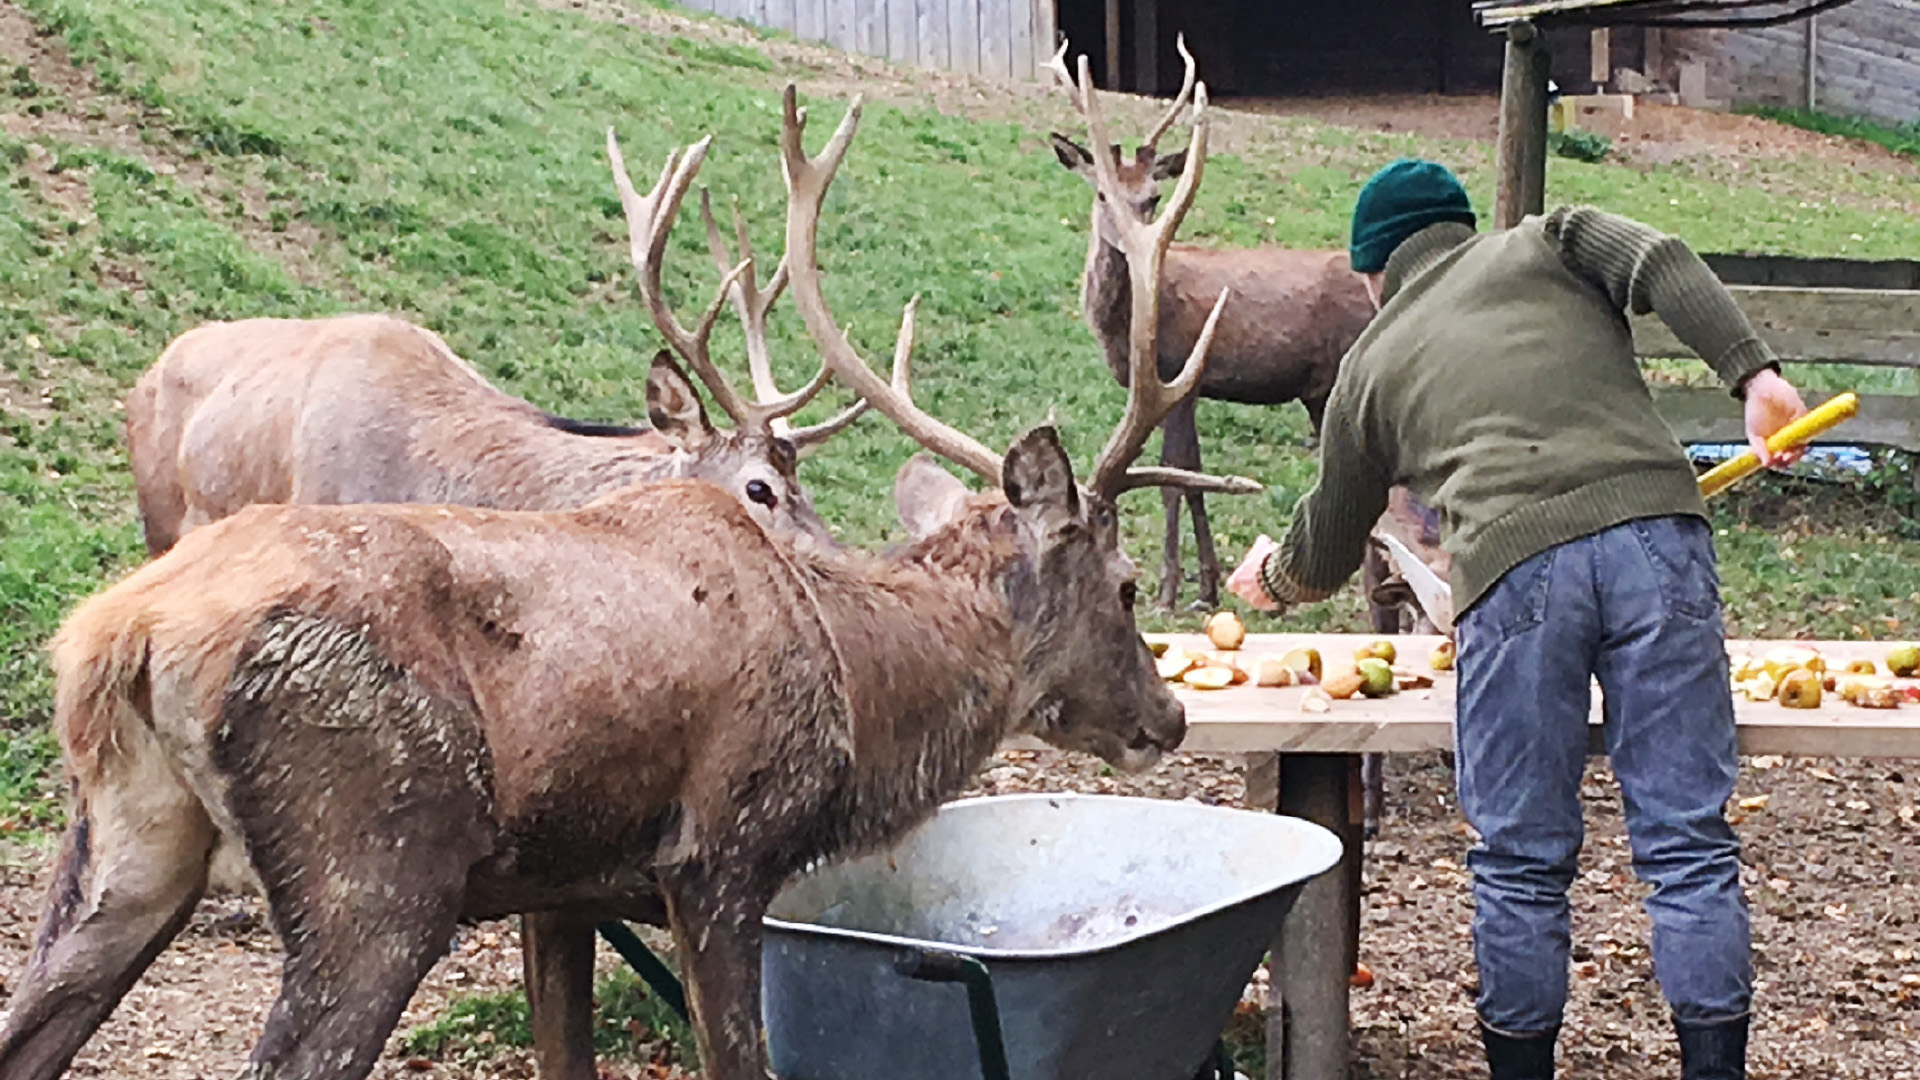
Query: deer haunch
(407,716)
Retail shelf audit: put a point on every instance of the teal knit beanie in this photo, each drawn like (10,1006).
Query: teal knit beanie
(1400,200)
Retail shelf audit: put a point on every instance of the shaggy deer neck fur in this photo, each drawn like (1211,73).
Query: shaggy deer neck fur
(932,650)
(1106,295)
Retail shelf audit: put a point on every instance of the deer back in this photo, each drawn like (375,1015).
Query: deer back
(369,408)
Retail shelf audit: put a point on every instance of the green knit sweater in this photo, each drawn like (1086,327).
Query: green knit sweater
(1498,383)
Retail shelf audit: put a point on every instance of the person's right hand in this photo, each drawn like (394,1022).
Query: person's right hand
(1245,582)
(1772,403)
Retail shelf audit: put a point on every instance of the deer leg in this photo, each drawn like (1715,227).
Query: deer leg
(351,968)
(1180,449)
(133,866)
(716,927)
(1170,552)
(556,950)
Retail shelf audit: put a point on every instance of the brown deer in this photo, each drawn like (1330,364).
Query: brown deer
(390,718)
(371,408)
(1293,316)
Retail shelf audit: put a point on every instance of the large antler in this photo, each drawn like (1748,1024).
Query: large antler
(807,182)
(649,221)
(1145,245)
(1058,65)
(751,303)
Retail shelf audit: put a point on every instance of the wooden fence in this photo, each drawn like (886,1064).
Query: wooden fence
(1008,39)
(1812,311)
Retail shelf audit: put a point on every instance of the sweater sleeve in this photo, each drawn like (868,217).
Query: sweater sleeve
(1643,270)
(1327,539)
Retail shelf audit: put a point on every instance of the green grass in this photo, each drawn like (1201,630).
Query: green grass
(628,1022)
(1899,138)
(443,159)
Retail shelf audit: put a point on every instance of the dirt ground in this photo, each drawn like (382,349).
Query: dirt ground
(1832,853)
(1832,847)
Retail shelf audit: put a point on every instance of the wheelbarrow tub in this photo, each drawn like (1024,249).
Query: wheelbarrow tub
(1119,933)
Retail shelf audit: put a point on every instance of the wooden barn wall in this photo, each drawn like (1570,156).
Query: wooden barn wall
(1007,39)
(1867,61)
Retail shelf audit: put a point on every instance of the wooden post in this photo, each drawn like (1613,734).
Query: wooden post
(1113,44)
(1307,1010)
(1146,46)
(1522,154)
(1600,63)
(557,964)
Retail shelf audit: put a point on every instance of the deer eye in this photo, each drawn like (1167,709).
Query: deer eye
(761,492)
(1129,592)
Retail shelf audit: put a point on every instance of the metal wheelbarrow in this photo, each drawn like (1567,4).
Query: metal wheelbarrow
(1037,937)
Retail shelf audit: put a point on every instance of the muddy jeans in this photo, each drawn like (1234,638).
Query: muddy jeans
(1637,606)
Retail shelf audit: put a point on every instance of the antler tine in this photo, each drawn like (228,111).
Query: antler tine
(807,182)
(1145,244)
(1180,100)
(752,303)
(649,220)
(1058,65)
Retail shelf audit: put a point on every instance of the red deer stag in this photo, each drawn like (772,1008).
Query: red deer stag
(1294,314)
(370,408)
(390,718)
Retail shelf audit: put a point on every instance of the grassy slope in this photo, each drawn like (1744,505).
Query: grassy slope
(447,156)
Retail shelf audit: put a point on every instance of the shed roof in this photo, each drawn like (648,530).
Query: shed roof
(1495,14)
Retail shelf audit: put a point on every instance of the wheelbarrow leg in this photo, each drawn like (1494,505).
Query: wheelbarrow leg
(1314,955)
(556,953)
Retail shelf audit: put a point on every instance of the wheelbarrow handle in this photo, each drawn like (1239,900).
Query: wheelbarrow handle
(941,966)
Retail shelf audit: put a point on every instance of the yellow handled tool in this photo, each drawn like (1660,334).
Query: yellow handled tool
(1802,431)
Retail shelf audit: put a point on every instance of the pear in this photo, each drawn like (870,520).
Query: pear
(1273,671)
(1225,630)
(1344,685)
(1442,656)
(1800,689)
(1303,660)
(1379,676)
(1861,667)
(1381,649)
(1904,660)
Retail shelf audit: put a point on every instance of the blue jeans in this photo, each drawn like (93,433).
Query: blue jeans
(1638,607)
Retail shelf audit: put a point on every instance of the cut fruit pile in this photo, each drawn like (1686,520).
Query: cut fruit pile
(1373,673)
(1799,678)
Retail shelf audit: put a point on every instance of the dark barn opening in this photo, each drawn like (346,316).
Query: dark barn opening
(1305,47)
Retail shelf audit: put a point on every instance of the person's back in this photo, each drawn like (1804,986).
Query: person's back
(1499,384)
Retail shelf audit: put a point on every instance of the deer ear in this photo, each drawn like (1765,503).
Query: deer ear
(1038,480)
(1172,165)
(673,408)
(1071,154)
(927,496)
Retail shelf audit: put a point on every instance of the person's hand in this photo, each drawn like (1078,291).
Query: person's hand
(1245,582)
(1772,403)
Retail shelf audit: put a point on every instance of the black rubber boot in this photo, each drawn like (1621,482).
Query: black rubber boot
(1519,1057)
(1713,1051)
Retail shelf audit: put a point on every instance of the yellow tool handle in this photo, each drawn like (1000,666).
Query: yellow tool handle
(1835,409)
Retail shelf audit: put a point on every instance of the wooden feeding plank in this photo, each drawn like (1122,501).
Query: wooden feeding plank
(1254,719)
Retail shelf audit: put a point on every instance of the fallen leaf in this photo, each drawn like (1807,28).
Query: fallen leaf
(1836,911)
(1755,802)
(1822,774)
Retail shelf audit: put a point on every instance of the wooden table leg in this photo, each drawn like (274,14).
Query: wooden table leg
(556,952)
(1307,1018)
